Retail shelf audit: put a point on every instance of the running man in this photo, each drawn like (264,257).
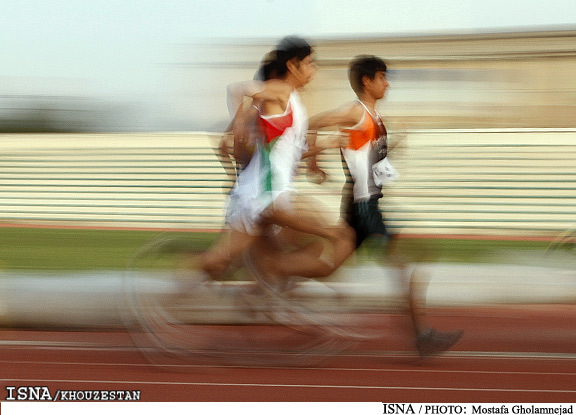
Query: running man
(261,195)
(365,158)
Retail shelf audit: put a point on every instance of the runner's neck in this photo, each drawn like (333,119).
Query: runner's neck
(370,106)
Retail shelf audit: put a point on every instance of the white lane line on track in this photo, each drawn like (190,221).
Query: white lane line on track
(293,368)
(281,385)
(48,343)
(382,354)
(509,355)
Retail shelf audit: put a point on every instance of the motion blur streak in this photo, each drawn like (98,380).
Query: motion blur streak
(517,79)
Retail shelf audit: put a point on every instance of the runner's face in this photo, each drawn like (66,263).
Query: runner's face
(377,87)
(305,70)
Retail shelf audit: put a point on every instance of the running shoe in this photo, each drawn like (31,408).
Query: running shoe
(432,342)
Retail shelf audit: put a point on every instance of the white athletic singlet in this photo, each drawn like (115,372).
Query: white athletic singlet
(267,179)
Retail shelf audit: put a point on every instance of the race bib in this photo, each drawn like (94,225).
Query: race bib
(384,172)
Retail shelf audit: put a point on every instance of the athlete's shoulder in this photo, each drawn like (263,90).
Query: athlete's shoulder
(274,91)
(356,111)
(353,112)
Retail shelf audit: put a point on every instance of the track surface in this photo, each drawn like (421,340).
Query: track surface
(522,353)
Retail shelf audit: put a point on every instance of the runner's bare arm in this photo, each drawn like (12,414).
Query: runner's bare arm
(238,91)
(345,116)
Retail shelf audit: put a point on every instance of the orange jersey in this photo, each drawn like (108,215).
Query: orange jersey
(366,147)
(363,132)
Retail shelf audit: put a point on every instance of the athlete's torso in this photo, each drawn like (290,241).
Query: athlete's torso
(290,126)
(367,145)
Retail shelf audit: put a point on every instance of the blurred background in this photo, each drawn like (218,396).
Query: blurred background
(143,66)
(110,112)
(486,91)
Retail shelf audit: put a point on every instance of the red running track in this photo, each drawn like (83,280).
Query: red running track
(508,354)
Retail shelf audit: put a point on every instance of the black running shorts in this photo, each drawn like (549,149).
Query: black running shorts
(366,220)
